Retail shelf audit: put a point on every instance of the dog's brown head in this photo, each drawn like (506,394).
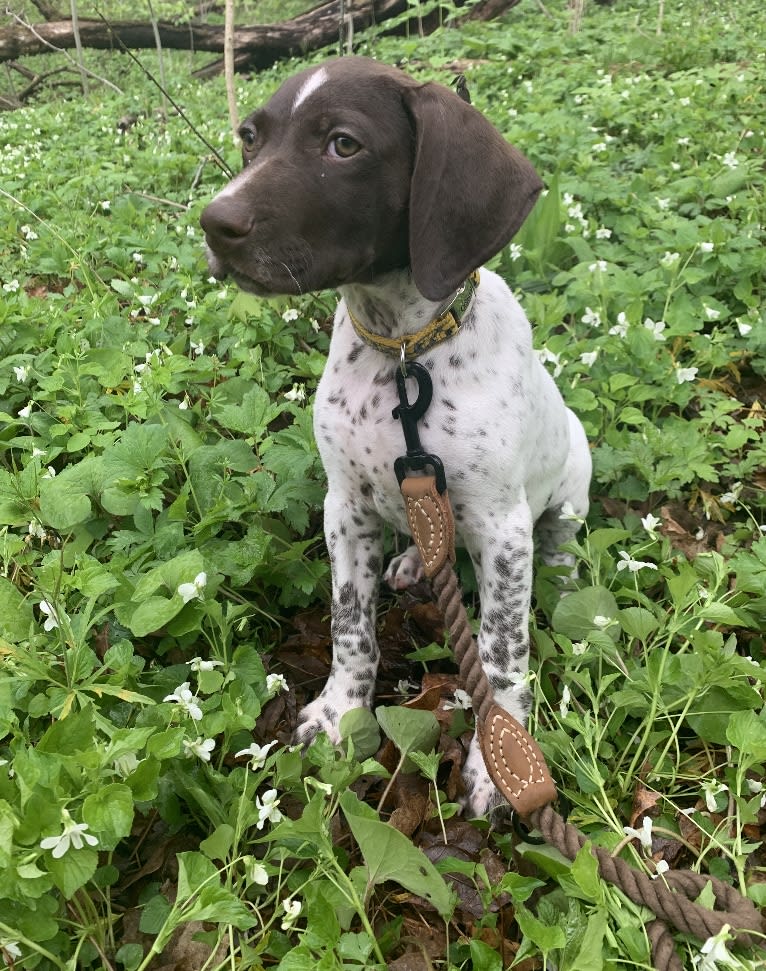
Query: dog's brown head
(353,169)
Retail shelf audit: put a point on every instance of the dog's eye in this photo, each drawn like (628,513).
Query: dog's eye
(343,146)
(247,135)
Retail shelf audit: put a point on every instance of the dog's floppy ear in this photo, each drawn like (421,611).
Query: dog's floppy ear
(470,190)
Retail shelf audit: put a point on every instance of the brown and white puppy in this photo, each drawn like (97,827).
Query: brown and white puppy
(360,178)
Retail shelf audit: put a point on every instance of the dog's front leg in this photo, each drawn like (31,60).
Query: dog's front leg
(354,541)
(503,563)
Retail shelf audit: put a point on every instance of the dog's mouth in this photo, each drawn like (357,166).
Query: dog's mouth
(273,277)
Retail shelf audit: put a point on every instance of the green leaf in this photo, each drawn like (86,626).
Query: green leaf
(16,617)
(219,843)
(390,855)
(194,872)
(409,729)
(547,937)
(154,914)
(575,615)
(109,811)
(638,622)
(483,957)
(73,869)
(747,732)
(590,957)
(65,499)
(360,727)
(153,614)
(221,906)
(585,873)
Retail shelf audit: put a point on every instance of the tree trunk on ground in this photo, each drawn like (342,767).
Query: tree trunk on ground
(255,47)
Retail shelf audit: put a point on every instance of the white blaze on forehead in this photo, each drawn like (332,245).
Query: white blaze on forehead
(309,86)
(231,187)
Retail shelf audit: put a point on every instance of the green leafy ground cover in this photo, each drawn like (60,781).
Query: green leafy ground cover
(160,538)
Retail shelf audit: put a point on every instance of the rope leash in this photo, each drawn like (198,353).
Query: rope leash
(670,896)
(513,759)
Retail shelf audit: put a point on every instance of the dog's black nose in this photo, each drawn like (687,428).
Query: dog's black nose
(226,220)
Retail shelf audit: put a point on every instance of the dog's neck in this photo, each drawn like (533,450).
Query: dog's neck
(392,305)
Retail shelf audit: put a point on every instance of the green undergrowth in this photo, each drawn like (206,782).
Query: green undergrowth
(160,524)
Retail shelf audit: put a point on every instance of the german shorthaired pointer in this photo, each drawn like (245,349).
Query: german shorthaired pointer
(360,178)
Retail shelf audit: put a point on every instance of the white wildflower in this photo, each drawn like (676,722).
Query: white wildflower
(22,373)
(643,835)
(663,204)
(601,265)
(267,808)
(620,329)
(515,252)
(566,697)
(257,754)
(669,259)
(589,358)
(201,747)
(183,697)
(296,393)
(579,648)
(628,563)
(9,949)
(650,524)
(74,835)
(743,328)
(195,589)
(461,700)
(51,616)
(292,912)
(707,247)
(105,205)
(50,473)
(730,160)
(28,233)
(591,317)
(276,683)
(568,514)
(711,789)
(714,951)
(36,531)
(256,872)
(656,328)
(197,348)
(26,411)
(603,233)
(290,315)
(684,374)
(602,622)
(660,867)
(198,664)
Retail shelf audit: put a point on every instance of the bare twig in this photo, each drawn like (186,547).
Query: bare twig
(160,62)
(228,65)
(78,47)
(217,157)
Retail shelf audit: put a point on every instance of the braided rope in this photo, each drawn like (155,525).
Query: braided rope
(671,896)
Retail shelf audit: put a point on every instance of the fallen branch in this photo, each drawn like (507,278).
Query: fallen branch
(255,47)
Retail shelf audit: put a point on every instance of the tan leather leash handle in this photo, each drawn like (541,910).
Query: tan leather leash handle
(518,768)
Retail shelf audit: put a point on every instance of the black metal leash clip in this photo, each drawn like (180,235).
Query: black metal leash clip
(416,459)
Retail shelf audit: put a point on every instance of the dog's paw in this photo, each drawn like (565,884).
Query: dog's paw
(481,795)
(320,716)
(405,570)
